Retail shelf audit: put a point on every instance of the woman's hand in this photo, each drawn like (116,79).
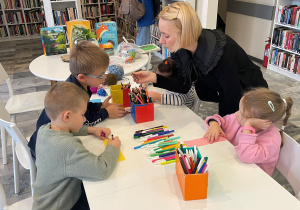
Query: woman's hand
(144,76)
(101,133)
(155,96)
(214,131)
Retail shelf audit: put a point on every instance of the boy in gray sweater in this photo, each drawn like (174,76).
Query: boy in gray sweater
(62,160)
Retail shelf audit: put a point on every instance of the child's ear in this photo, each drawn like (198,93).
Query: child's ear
(81,77)
(66,116)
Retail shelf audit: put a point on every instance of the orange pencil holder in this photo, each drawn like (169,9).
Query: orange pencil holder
(119,95)
(142,112)
(193,186)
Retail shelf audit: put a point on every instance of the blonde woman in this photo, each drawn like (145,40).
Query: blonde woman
(218,67)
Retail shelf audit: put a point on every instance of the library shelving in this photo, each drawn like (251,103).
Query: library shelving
(20,19)
(98,11)
(129,28)
(284,55)
(57,12)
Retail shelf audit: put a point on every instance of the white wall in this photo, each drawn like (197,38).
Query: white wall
(207,12)
(250,32)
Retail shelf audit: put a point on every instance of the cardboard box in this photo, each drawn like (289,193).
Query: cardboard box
(142,112)
(119,95)
(193,186)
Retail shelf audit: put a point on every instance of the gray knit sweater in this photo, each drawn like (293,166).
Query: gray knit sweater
(62,162)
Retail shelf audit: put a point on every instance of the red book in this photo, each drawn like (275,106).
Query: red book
(289,42)
(64,17)
(294,11)
(296,64)
(22,18)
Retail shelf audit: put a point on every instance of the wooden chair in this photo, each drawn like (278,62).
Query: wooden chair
(289,162)
(21,152)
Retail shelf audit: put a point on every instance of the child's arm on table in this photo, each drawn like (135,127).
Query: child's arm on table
(155,96)
(214,124)
(114,110)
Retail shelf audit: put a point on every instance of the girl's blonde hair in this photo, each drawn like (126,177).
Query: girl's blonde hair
(185,22)
(266,104)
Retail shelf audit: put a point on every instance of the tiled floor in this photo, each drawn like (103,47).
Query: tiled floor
(16,57)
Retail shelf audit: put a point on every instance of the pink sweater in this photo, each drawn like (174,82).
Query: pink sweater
(261,148)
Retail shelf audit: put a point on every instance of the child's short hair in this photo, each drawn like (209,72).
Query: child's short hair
(86,57)
(168,66)
(266,104)
(64,96)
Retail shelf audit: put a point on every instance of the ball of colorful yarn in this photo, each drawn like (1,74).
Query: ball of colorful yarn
(101,92)
(117,70)
(94,89)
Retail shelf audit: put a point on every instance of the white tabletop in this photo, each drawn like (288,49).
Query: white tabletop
(53,68)
(137,183)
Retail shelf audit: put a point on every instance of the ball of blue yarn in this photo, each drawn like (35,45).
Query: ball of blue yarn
(117,70)
(101,92)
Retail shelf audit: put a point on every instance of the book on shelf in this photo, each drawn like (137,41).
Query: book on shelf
(286,61)
(107,32)
(53,40)
(76,30)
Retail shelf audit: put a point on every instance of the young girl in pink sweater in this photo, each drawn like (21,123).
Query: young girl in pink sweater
(251,129)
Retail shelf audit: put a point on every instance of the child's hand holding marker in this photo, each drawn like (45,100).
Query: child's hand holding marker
(101,133)
(114,141)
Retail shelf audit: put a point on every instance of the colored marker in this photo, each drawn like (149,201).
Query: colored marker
(167,162)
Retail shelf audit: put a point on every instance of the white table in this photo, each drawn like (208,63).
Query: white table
(137,183)
(53,68)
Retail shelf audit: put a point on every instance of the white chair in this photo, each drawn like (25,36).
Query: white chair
(20,205)
(20,149)
(18,104)
(289,162)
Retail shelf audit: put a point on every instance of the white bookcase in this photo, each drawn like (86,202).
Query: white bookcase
(20,19)
(277,24)
(98,10)
(60,5)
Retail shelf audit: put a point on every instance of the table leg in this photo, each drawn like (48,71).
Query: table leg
(149,60)
(52,82)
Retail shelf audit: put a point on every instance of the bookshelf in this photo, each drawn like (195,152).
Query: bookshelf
(98,11)
(129,28)
(284,56)
(57,12)
(20,19)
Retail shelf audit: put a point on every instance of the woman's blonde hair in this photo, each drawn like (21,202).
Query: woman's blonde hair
(185,21)
(86,57)
(266,104)
(64,96)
